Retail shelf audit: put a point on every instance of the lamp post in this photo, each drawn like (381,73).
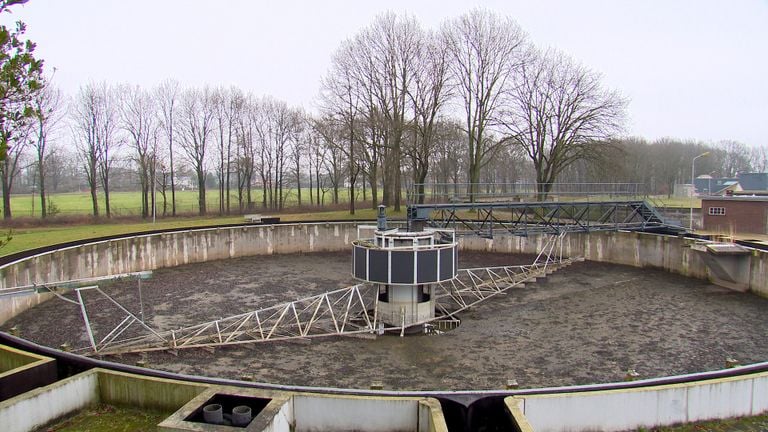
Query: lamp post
(693,185)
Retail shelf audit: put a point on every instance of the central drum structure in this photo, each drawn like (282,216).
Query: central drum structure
(405,266)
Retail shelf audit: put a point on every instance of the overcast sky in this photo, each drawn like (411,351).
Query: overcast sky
(691,69)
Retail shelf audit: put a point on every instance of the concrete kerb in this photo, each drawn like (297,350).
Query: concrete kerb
(286,411)
(267,419)
(318,412)
(152,251)
(21,371)
(514,408)
(147,252)
(44,405)
(13,360)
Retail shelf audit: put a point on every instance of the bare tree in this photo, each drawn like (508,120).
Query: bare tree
(162,181)
(9,166)
(428,93)
(485,52)
(167,95)
(391,43)
(560,113)
(368,82)
(86,112)
(225,102)
(49,113)
(450,157)
(276,126)
(196,123)
(340,97)
(140,120)
(108,142)
(735,158)
(301,136)
(246,151)
(759,158)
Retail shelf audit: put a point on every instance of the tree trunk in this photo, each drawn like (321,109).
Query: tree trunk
(173,181)
(311,196)
(474,180)
(43,207)
(6,194)
(107,209)
(201,192)
(94,195)
(373,181)
(41,179)
(421,178)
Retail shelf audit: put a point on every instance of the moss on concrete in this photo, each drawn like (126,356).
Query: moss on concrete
(741,424)
(109,418)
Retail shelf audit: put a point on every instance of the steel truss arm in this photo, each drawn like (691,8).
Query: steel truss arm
(347,311)
(523,218)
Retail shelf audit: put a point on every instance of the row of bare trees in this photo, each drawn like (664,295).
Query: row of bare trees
(220,131)
(393,85)
(246,142)
(663,163)
(473,101)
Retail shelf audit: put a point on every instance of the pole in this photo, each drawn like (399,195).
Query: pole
(141,301)
(693,186)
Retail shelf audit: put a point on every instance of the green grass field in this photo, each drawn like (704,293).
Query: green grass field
(742,424)
(109,418)
(30,238)
(129,203)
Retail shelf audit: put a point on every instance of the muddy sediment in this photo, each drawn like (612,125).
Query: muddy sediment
(587,323)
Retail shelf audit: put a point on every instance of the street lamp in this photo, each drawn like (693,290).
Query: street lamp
(693,184)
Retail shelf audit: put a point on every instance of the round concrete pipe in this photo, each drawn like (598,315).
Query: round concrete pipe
(213,414)
(241,415)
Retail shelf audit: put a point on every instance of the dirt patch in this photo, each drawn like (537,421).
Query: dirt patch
(585,324)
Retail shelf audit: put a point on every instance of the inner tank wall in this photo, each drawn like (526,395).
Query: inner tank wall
(149,252)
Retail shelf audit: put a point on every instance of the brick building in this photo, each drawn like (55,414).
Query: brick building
(738,214)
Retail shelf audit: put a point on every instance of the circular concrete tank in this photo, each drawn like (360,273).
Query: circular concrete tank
(588,323)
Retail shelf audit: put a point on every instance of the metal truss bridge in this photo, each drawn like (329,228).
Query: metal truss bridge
(523,218)
(517,209)
(349,311)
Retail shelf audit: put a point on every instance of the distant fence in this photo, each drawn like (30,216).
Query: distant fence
(462,192)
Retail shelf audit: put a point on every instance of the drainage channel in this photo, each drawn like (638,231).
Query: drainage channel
(487,414)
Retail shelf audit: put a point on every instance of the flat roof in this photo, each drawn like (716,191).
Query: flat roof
(737,198)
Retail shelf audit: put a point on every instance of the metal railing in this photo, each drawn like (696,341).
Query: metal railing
(485,192)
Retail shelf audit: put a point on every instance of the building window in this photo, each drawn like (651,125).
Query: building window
(717,211)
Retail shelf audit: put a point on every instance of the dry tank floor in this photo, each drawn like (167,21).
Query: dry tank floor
(585,324)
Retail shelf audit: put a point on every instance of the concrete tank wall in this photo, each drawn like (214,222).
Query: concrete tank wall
(321,413)
(35,408)
(149,252)
(647,407)
(669,253)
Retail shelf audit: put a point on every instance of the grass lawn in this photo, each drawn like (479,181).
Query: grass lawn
(678,202)
(107,418)
(30,238)
(129,203)
(742,424)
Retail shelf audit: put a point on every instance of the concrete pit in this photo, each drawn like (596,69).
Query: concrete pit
(588,323)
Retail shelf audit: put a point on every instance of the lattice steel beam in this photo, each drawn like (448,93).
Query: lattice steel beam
(523,218)
(342,312)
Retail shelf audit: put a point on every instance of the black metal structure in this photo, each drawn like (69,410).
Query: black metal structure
(522,218)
